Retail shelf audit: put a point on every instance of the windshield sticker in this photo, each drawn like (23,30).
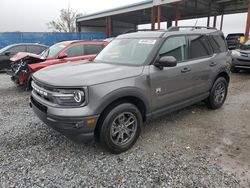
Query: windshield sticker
(152,42)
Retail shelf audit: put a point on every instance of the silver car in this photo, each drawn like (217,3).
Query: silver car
(241,57)
(137,77)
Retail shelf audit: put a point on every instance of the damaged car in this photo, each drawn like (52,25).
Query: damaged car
(25,64)
(9,51)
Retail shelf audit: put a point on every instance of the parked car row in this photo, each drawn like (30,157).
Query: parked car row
(25,64)
(136,77)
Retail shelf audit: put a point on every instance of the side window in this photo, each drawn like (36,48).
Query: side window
(176,47)
(16,49)
(92,49)
(199,47)
(75,51)
(218,43)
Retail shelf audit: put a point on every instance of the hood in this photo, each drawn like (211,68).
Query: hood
(85,73)
(243,48)
(45,63)
(25,55)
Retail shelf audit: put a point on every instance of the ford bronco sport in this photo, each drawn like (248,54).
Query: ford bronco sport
(138,76)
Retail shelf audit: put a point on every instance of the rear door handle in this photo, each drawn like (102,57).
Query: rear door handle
(186,69)
(213,64)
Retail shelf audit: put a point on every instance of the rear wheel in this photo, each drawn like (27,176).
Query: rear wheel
(218,94)
(121,128)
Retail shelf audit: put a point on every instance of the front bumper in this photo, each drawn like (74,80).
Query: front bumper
(242,63)
(76,128)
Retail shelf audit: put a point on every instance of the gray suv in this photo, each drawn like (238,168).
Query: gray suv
(137,77)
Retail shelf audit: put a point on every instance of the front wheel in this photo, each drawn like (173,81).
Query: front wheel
(218,94)
(121,128)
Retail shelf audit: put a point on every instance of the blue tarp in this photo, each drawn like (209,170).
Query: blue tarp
(47,38)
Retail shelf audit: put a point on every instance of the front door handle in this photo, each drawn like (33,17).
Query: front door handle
(213,64)
(186,69)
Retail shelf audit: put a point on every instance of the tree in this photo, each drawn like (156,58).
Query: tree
(66,21)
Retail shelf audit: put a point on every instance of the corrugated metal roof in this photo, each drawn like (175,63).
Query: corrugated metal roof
(116,10)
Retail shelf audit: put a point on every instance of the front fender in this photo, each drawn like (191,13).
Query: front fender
(122,93)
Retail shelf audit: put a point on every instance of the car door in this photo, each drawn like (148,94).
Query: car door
(201,63)
(174,85)
(170,85)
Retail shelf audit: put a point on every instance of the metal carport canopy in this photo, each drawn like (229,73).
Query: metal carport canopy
(156,11)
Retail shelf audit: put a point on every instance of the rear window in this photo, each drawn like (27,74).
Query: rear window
(234,36)
(218,43)
(35,49)
(199,47)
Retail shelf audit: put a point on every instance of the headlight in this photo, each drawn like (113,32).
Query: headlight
(69,97)
(235,53)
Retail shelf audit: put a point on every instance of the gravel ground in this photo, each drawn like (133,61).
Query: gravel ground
(194,147)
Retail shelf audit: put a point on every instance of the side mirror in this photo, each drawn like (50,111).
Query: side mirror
(166,61)
(7,53)
(62,55)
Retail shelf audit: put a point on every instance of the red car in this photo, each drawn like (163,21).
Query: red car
(24,64)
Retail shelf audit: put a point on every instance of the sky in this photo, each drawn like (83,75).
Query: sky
(32,15)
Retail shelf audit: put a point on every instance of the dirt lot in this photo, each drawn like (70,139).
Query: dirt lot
(194,147)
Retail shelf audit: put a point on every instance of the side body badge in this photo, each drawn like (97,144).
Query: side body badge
(158,90)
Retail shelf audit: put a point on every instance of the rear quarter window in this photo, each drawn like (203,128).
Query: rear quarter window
(218,43)
(199,47)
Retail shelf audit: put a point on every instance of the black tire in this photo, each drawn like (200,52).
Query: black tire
(110,122)
(234,70)
(217,96)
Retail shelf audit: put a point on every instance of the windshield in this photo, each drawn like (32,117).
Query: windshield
(234,36)
(126,51)
(53,50)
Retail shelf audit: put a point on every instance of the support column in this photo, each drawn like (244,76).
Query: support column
(215,21)
(159,17)
(153,18)
(222,20)
(109,26)
(169,23)
(78,27)
(208,21)
(209,13)
(248,22)
(177,15)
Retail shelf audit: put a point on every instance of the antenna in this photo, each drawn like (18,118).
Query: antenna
(195,23)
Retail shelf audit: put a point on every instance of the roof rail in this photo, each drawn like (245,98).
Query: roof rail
(136,30)
(177,28)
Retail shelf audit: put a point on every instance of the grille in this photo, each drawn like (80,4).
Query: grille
(244,60)
(243,54)
(42,91)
